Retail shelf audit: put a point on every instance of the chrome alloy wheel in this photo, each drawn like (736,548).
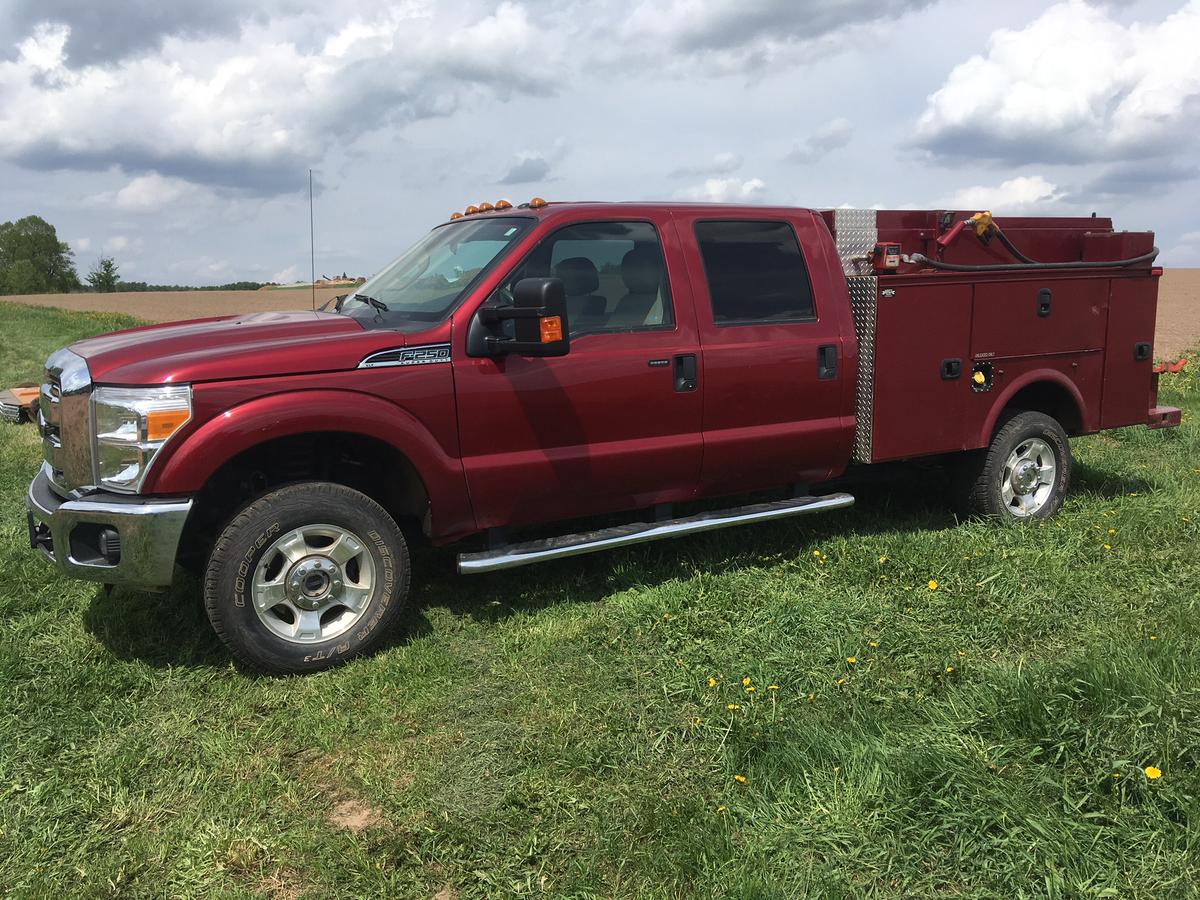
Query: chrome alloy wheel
(313,583)
(1028,477)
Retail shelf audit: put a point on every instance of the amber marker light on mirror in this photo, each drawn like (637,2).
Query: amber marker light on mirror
(551,329)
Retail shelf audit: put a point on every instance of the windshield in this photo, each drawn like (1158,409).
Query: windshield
(427,282)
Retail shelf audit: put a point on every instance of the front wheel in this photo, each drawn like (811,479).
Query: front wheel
(1023,474)
(306,577)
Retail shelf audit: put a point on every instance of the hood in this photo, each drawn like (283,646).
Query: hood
(249,346)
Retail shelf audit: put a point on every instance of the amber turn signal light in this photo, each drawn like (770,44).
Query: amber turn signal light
(551,329)
(162,423)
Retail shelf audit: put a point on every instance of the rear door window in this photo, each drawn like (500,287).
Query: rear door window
(756,272)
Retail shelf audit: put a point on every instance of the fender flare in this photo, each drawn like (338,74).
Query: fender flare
(1055,377)
(202,451)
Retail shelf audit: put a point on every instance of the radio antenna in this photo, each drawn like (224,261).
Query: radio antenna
(312,243)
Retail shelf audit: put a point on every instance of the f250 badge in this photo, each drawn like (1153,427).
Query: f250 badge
(408,356)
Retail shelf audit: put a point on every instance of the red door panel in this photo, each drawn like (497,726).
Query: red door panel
(598,430)
(769,419)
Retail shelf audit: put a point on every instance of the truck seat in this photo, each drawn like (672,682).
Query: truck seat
(585,308)
(641,270)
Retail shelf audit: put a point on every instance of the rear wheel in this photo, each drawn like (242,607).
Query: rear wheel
(1023,474)
(305,578)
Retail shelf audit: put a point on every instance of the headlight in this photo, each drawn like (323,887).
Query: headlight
(132,425)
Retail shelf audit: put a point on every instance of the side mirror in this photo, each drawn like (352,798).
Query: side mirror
(539,317)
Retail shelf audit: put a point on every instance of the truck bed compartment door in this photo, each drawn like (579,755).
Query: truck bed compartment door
(1127,366)
(922,371)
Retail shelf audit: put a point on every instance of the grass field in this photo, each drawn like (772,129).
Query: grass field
(879,703)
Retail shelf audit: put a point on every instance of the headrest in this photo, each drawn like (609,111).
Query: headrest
(578,274)
(641,270)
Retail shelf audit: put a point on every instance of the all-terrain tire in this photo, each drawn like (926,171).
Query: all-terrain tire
(310,531)
(988,483)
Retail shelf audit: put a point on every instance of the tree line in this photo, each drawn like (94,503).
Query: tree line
(34,261)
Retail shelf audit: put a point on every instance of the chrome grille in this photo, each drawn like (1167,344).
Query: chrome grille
(64,412)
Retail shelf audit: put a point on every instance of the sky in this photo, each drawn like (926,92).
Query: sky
(177,136)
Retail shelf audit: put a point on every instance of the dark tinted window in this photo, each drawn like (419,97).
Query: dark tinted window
(613,273)
(755,272)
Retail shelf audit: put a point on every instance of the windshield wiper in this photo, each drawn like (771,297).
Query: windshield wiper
(371,301)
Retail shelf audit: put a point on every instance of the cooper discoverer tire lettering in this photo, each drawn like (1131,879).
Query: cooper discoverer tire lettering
(306,577)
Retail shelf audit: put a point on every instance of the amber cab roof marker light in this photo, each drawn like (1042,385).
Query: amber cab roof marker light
(455,215)
(537,203)
(471,210)
(503,204)
(486,207)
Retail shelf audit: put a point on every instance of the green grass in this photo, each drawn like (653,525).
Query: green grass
(552,730)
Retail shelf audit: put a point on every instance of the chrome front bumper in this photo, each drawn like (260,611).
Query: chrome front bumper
(77,534)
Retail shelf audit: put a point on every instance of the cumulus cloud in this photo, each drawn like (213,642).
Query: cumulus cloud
(720,164)
(254,110)
(103,32)
(149,193)
(1076,84)
(725,190)
(829,137)
(1023,194)
(534,165)
(745,35)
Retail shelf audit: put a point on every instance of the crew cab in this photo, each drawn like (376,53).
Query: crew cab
(536,381)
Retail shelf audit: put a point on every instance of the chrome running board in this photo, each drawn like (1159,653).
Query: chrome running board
(641,532)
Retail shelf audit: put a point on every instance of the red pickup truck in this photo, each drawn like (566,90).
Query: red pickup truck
(528,365)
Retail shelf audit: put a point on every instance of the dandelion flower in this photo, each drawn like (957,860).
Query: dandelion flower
(852,659)
(732,706)
(1112,531)
(741,779)
(712,682)
(841,681)
(751,690)
(721,809)
(666,616)
(1154,637)
(872,644)
(962,652)
(883,558)
(1108,546)
(816,553)
(812,697)
(933,584)
(1153,772)
(949,669)
(746,681)
(772,687)
(1116,775)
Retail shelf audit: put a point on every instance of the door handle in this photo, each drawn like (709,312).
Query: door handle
(685,372)
(827,362)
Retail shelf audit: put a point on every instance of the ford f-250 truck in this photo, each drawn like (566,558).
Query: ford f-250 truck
(522,367)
